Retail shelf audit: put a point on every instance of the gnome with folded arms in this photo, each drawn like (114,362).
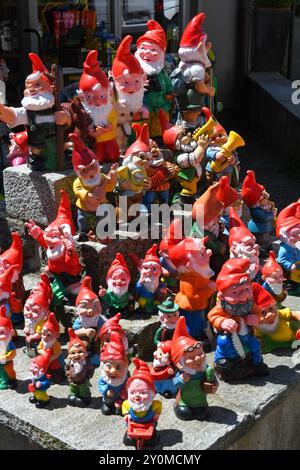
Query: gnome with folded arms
(7,352)
(38,115)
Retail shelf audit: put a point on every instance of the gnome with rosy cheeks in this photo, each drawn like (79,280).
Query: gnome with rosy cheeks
(116,296)
(113,375)
(110,327)
(168,312)
(40,380)
(272,275)
(195,379)
(141,408)
(7,352)
(18,149)
(162,370)
(38,115)
(151,49)
(94,94)
(49,342)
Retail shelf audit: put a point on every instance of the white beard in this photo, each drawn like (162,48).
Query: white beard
(140,407)
(92,183)
(133,101)
(30,323)
(38,375)
(276,287)
(186,148)
(205,272)
(48,344)
(114,382)
(198,54)
(268,328)
(90,322)
(162,362)
(169,326)
(214,228)
(240,251)
(99,114)
(151,68)
(151,284)
(188,370)
(3,347)
(39,102)
(77,367)
(118,291)
(56,252)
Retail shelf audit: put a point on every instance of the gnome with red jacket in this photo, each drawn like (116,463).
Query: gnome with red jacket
(94,94)
(7,352)
(49,342)
(163,371)
(18,150)
(6,295)
(272,275)
(38,115)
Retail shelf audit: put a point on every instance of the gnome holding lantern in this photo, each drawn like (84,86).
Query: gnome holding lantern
(195,379)
(7,352)
(38,115)
(272,275)
(49,342)
(94,94)
(151,48)
(40,381)
(162,370)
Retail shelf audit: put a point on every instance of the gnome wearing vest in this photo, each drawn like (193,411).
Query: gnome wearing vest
(7,352)
(168,312)
(262,210)
(116,296)
(238,353)
(63,265)
(288,230)
(91,186)
(78,371)
(190,80)
(141,408)
(94,94)
(195,379)
(151,49)
(14,256)
(49,342)
(113,376)
(40,381)
(272,276)
(38,115)
(162,370)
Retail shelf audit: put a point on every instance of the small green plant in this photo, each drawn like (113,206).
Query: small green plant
(274,3)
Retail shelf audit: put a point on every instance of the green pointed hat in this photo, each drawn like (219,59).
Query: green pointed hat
(168,306)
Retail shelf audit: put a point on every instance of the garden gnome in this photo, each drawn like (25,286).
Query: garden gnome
(195,379)
(113,326)
(168,312)
(49,342)
(170,276)
(6,295)
(40,381)
(162,370)
(7,352)
(272,275)
(18,152)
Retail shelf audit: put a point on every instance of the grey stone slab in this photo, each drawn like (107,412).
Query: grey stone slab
(30,281)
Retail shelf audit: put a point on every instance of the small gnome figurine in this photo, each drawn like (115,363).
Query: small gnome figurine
(168,312)
(162,370)
(49,342)
(113,375)
(78,371)
(195,378)
(116,296)
(7,352)
(6,296)
(40,381)
(272,275)
(113,326)
(18,150)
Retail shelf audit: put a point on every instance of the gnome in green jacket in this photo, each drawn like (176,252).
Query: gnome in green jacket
(168,313)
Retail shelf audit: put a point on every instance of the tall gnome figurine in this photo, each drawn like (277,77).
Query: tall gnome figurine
(190,80)
(151,48)
(49,342)
(238,353)
(7,352)
(272,275)
(40,381)
(195,379)
(288,229)
(39,116)
(63,266)
(95,96)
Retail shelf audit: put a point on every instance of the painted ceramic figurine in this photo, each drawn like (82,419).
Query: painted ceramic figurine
(91,186)
(89,320)
(277,328)
(238,353)
(95,96)
(7,352)
(141,408)
(117,297)
(37,114)
(170,276)
(6,295)
(49,342)
(195,379)
(151,48)
(162,370)
(272,275)
(168,312)
(113,326)
(18,152)
(113,376)
(63,265)
(262,210)
(40,382)
(288,230)
(78,371)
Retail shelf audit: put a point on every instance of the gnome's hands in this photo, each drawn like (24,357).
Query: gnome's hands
(61,118)
(252,320)
(101,291)
(229,325)
(34,230)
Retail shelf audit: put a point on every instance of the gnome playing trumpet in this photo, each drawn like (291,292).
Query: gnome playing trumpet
(38,116)
(7,352)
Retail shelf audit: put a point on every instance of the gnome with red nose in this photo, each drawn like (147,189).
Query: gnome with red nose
(38,114)
(94,94)
(7,352)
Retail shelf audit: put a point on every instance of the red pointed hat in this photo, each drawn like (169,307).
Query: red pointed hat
(141,144)
(21,139)
(86,292)
(141,372)
(271,265)
(81,154)
(226,193)
(179,253)
(52,324)
(251,190)
(181,341)
(289,217)
(113,324)
(238,230)
(262,298)
(41,296)
(193,33)
(46,286)
(125,62)
(92,75)
(5,322)
(38,66)
(170,133)
(232,272)
(209,204)
(6,277)
(165,346)
(151,255)
(114,350)
(118,263)
(14,254)
(43,360)
(154,34)
(173,235)
(64,213)
(74,339)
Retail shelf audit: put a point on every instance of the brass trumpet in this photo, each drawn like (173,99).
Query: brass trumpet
(208,128)
(234,141)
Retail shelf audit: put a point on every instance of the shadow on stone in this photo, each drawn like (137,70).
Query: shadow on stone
(168,437)
(221,415)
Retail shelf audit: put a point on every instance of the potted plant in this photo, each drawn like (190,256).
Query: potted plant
(270,30)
